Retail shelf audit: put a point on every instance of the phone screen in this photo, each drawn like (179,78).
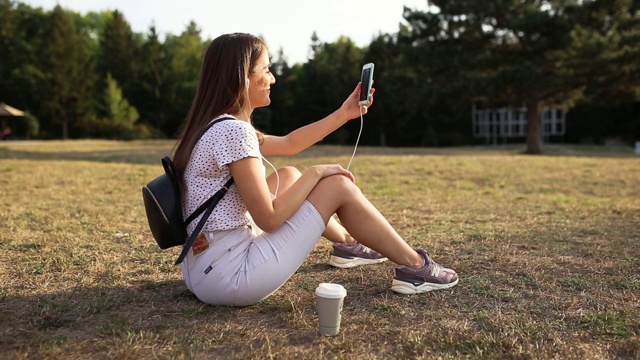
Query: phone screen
(366,84)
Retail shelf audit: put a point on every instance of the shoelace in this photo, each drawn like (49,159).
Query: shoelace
(435,271)
(358,247)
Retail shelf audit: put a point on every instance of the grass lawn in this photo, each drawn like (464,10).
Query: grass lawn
(547,249)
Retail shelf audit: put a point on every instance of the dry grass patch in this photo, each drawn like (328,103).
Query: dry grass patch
(547,249)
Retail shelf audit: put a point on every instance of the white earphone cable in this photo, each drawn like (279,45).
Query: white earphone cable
(277,176)
(357,140)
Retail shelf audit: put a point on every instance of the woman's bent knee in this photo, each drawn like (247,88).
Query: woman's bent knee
(331,192)
(288,171)
(286,176)
(340,183)
(336,186)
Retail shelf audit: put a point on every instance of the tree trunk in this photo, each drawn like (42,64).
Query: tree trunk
(383,138)
(534,134)
(65,130)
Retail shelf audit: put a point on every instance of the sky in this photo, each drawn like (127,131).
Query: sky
(286,24)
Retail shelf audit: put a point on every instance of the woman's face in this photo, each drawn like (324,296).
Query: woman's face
(260,81)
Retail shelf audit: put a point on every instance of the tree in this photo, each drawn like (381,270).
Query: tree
(282,98)
(186,55)
(153,83)
(69,78)
(23,35)
(117,55)
(284,115)
(119,117)
(515,52)
(397,101)
(607,37)
(325,81)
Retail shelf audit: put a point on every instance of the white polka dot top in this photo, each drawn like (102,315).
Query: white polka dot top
(207,171)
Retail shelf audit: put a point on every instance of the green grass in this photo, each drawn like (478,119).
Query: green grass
(547,249)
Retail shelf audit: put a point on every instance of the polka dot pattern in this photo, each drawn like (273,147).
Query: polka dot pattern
(208,169)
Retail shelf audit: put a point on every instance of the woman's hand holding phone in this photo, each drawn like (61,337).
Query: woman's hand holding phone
(366,81)
(352,107)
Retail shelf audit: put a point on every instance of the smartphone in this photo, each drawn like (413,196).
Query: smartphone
(367,81)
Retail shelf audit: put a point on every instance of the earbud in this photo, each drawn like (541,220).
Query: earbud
(248,82)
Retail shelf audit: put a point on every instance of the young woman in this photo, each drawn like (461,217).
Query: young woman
(264,228)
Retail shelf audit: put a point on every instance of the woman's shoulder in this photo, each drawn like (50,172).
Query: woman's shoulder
(230,133)
(231,124)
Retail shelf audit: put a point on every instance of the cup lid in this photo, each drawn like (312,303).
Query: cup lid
(330,290)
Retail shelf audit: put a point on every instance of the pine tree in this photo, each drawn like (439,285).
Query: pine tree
(69,74)
(121,116)
(185,60)
(117,53)
(531,52)
(152,85)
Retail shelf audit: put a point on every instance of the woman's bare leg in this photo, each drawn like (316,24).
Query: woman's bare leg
(334,232)
(337,194)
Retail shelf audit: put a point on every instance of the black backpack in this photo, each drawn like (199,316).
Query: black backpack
(163,205)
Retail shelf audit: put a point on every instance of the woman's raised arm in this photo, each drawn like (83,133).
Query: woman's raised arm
(305,136)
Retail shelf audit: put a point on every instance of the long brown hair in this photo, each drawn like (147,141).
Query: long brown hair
(222,88)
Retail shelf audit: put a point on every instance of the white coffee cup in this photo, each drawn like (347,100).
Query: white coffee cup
(329,300)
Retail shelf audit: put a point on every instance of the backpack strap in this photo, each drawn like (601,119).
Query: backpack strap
(215,122)
(167,164)
(209,205)
(205,204)
(212,204)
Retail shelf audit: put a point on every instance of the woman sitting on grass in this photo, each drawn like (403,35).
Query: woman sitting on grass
(264,228)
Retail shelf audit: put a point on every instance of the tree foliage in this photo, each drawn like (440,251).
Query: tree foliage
(68,80)
(119,119)
(537,53)
(91,76)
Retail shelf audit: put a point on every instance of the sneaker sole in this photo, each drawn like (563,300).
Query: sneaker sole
(345,263)
(407,288)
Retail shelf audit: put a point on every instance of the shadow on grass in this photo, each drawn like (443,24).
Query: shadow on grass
(150,152)
(133,156)
(149,312)
(492,314)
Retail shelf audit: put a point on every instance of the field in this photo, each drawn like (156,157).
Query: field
(547,249)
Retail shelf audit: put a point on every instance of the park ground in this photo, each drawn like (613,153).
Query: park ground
(547,249)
